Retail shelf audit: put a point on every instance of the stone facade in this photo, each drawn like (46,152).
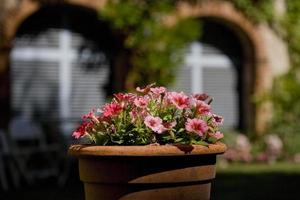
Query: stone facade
(266,54)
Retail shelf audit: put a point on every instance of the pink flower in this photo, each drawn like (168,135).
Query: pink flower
(124,99)
(111,109)
(170,125)
(80,131)
(180,100)
(158,90)
(141,102)
(197,126)
(218,119)
(202,107)
(160,129)
(136,114)
(155,114)
(128,97)
(146,89)
(154,123)
(218,135)
(201,97)
(90,115)
(133,115)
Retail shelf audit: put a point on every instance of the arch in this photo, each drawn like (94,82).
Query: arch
(92,36)
(12,17)
(76,18)
(223,11)
(18,11)
(255,56)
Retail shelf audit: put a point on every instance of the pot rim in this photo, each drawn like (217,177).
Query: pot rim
(146,150)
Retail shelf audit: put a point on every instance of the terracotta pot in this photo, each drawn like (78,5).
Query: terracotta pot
(147,172)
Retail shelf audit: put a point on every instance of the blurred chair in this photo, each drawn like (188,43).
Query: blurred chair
(8,169)
(3,154)
(34,157)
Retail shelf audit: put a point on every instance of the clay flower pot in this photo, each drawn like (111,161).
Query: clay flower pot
(166,172)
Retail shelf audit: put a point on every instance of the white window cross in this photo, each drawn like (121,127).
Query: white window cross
(64,55)
(196,60)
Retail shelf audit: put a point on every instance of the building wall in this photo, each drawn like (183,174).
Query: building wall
(266,53)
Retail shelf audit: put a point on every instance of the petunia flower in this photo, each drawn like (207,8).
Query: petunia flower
(202,108)
(218,135)
(170,125)
(155,124)
(197,126)
(180,100)
(111,109)
(146,89)
(141,102)
(128,97)
(201,97)
(81,131)
(158,90)
(218,119)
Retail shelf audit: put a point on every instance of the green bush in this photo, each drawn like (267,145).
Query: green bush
(286,113)
(257,11)
(156,49)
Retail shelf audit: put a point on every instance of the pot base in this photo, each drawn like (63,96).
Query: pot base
(113,192)
(147,172)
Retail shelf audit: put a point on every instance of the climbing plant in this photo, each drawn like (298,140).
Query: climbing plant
(285,93)
(156,46)
(256,10)
(291,25)
(286,89)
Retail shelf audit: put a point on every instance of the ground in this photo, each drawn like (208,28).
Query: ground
(238,181)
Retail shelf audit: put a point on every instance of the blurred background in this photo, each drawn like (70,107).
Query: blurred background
(60,58)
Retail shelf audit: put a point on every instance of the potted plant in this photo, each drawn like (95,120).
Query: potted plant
(152,145)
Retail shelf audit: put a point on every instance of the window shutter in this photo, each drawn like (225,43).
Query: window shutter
(218,79)
(35,78)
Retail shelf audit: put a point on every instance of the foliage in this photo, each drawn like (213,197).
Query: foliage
(270,148)
(284,168)
(286,89)
(152,116)
(257,11)
(291,25)
(285,99)
(156,48)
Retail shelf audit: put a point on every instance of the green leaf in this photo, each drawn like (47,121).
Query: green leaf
(201,143)
(212,140)
(181,130)
(167,117)
(101,139)
(178,140)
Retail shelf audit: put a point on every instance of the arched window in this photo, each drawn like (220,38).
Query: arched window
(61,65)
(209,70)
(214,65)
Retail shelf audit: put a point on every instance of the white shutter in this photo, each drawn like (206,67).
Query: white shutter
(87,92)
(34,88)
(183,82)
(216,77)
(220,83)
(36,80)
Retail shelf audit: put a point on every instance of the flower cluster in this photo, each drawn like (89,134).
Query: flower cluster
(153,115)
